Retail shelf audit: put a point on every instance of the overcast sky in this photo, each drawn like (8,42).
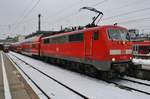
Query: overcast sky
(20,16)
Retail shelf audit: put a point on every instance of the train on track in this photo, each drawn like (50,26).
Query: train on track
(94,50)
(141,45)
(102,48)
(4,48)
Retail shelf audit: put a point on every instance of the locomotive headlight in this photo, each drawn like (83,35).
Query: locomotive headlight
(130,58)
(123,42)
(113,59)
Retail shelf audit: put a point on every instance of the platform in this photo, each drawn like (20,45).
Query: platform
(12,84)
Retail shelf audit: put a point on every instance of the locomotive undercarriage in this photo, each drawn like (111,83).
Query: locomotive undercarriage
(120,67)
(116,70)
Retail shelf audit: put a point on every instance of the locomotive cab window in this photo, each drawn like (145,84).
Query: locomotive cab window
(76,37)
(118,34)
(95,35)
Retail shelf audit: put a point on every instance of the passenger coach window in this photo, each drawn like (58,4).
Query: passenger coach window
(76,37)
(33,45)
(96,35)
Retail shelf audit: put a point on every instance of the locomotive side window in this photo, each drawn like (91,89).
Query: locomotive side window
(76,37)
(58,40)
(96,35)
(46,41)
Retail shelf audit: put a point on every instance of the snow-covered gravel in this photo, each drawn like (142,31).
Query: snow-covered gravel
(37,91)
(53,89)
(139,80)
(145,62)
(93,88)
(134,85)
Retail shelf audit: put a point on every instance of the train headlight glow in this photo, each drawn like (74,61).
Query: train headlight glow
(130,58)
(113,59)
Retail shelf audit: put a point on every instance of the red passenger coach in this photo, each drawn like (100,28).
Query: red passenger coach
(31,46)
(16,47)
(141,49)
(102,48)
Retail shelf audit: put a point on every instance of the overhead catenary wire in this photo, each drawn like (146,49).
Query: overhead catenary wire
(75,13)
(135,20)
(127,13)
(107,18)
(61,11)
(73,5)
(18,23)
(23,13)
(66,17)
(130,4)
(98,3)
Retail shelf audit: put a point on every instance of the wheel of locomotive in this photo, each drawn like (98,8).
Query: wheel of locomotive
(52,60)
(46,59)
(140,74)
(63,63)
(78,67)
(67,64)
(71,65)
(90,70)
(134,69)
(105,75)
(81,68)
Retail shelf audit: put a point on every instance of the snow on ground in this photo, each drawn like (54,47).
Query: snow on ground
(37,91)
(53,89)
(141,61)
(93,88)
(134,85)
(139,80)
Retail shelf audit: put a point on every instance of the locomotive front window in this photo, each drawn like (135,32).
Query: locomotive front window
(118,34)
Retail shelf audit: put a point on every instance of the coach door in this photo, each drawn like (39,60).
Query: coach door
(88,44)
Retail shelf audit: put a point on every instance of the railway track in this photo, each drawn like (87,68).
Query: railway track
(126,87)
(134,81)
(122,86)
(76,92)
(43,92)
(140,73)
(125,83)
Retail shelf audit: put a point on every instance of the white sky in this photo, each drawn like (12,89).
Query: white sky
(20,16)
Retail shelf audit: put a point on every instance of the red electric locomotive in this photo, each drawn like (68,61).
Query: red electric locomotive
(104,48)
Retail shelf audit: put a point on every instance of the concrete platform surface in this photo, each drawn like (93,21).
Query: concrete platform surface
(17,87)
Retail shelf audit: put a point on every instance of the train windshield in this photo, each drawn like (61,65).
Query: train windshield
(118,34)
